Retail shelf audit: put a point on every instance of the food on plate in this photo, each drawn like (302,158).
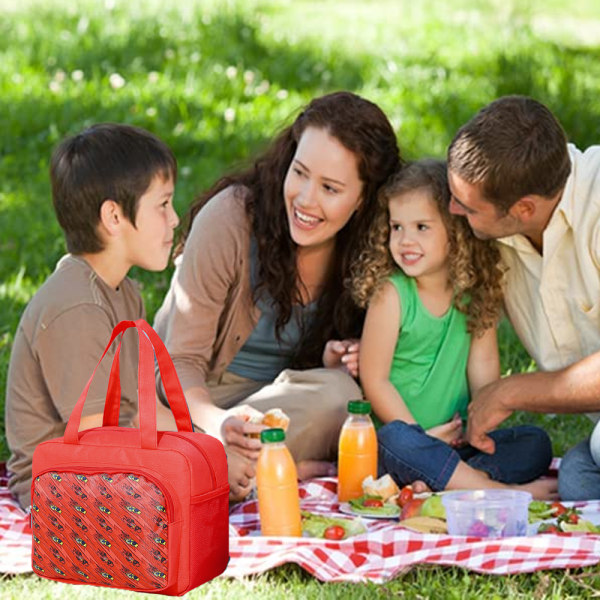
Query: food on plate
(567,519)
(412,509)
(374,506)
(373,503)
(557,509)
(384,487)
(548,528)
(405,496)
(334,532)
(330,528)
(425,524)
(540,511)
(433,507)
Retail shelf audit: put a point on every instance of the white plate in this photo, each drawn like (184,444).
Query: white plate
(348,510)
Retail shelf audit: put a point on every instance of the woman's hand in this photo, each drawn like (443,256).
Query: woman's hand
(235,433)
(342,354)
(240,474)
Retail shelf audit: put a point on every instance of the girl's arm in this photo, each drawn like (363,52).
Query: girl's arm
(379,336)
(483,365)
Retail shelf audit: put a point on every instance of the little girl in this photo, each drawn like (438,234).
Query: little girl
(429,341)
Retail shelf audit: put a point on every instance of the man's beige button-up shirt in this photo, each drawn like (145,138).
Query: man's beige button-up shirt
(553,300)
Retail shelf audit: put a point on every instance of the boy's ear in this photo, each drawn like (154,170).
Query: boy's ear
(524,209)
(111,217)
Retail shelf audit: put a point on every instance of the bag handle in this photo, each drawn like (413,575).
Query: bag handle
(168,374)
(146,388)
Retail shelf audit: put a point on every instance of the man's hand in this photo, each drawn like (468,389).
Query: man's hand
(342,354)
(487,410)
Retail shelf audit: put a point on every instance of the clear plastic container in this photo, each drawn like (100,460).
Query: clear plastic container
(487,513)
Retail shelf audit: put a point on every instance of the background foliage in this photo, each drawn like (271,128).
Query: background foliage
(216,79)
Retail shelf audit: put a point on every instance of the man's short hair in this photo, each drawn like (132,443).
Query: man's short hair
(106,161)
(513,147)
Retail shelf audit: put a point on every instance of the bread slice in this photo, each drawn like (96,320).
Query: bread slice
(384,487)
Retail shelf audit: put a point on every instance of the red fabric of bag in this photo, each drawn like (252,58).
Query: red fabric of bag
(132,508)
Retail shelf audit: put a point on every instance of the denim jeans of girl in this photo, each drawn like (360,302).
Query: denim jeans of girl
(407,453)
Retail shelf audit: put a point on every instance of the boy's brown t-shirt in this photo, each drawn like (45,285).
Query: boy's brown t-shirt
(60,338)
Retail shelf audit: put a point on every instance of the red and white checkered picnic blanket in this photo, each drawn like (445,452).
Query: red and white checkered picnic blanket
(15,533)
(378,555)
(386,549)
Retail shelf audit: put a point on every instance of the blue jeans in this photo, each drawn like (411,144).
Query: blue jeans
(407,453)
(579,472)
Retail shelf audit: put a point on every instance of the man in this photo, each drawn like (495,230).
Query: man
(515,178)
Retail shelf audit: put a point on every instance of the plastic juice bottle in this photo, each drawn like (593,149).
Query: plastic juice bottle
(277,486)
(357,454)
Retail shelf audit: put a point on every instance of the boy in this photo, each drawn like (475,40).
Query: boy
(112,189)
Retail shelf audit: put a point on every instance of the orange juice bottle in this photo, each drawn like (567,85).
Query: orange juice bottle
(277,486)
(357,454)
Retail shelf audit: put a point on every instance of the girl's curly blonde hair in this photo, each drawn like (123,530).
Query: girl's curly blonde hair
(475,267)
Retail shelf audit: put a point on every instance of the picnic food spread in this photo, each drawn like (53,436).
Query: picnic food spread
(330,528)
(555,517)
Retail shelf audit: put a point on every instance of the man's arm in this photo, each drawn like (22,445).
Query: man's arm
(574,389)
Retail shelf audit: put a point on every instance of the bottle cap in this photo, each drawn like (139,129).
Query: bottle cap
(272,435)
(359,407)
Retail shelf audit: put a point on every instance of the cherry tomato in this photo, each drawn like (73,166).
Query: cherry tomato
(573,518)
(373,503)
(334,532)
(569,516)
(548,528)
(406,495)
(558,509)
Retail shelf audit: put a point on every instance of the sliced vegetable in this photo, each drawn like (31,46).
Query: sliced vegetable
(373,503)
(334,532)
(406,495)
(539,511)
(364,505)
(548,528)
(315,525)
(582,525)
(558,509)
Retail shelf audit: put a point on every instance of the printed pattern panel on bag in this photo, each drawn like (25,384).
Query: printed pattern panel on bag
(101,528)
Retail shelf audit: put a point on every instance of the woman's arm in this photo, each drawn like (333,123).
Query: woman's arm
(378,341)
(192,313)
(483,365)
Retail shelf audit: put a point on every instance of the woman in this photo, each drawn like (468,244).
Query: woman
(259,301)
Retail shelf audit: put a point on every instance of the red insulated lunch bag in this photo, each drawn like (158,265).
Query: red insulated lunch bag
(132,508)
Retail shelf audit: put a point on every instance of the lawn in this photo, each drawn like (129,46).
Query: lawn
(216,79)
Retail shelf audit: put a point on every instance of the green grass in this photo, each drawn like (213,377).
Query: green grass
(215,79)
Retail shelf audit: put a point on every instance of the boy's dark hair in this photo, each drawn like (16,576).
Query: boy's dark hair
(514,146)
(106,161)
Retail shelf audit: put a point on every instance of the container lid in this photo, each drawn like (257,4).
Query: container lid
(359,407)
(269,436)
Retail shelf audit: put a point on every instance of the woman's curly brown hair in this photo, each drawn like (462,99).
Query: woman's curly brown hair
(361,127)
(475,268)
